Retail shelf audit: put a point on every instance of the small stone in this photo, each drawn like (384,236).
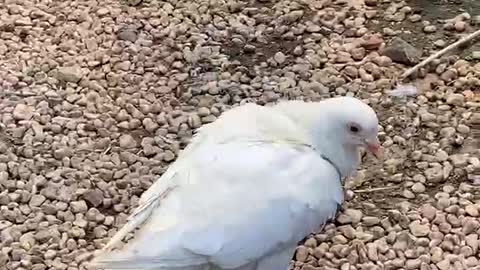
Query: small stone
(418,188)
(37,200)
(415,18)
(79,206)
(441,155)
(472,210)
(313,28)
(449,189)
(94,197)
(373,42)
(470,226)
(63,152)
(428,211)
(302,253)
(23,112)
(370,221)
(408,194)
(124,66)
(71,74)
(455,99)
(430,29)
(355,215)
(460,26)
(459,160)
(311,242)
(440,43)
(298,51)
(126,141)
(344,219)
(444,264)
(25,21)
(358,53)
(50,254)
(249,48)
(168,156)
(418,229)
(128,34)
(149,124)
(103,11)
(279,57)
(434,175)
(413,264)
(443,203)
(476,55)
(464,129)
(339,239)
(449,75)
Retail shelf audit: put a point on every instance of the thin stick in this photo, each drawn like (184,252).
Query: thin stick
(440,53)
(374,189)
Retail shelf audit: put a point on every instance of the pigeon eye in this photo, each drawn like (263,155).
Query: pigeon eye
(354,128)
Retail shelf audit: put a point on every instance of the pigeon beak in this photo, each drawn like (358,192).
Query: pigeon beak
(373,146)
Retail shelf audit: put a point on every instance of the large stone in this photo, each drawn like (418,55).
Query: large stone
(402,52)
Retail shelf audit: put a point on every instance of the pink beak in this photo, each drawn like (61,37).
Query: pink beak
(374,147)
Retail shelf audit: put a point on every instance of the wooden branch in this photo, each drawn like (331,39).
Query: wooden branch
(440,53)
(369,190)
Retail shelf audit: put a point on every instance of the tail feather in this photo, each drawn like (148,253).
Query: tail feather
(121,260)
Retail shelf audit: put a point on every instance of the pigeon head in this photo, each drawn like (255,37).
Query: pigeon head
(354,124)
(337,128)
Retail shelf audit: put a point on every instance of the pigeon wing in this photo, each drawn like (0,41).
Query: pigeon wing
(243,201)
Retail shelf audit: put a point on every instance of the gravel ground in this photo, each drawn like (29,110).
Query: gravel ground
(98,97)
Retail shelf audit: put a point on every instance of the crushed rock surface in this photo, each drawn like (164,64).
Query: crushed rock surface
(98,97)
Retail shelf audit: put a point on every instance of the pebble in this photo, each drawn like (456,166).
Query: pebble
(79,206)
(418,229)
(23,112)
(37,200)
(472,210)
(302,254)
(71,74)
(370,221)
(279,57)
(430,29)
(455,99)
(93,197)
(418,188)
(127,141)
(440,43)
(355,215)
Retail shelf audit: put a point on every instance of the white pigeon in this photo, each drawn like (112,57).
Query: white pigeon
(248,188)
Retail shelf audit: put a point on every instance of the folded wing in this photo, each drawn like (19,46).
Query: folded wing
(233,204)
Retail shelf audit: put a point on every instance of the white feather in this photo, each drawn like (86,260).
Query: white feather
(404,91)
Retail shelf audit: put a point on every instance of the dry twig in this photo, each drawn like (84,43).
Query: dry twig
(440,53)
(374,189)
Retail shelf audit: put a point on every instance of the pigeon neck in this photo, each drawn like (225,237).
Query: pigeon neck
(333,165)
(344,159)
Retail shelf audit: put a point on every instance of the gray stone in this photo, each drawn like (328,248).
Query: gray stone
(402,52)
